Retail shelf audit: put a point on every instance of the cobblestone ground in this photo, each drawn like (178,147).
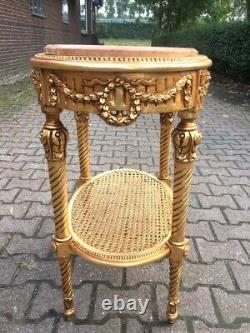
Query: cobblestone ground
(215,292)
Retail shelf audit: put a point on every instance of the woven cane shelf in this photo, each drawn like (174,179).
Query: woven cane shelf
(121,218)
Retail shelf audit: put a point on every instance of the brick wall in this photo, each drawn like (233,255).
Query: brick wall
(23,34)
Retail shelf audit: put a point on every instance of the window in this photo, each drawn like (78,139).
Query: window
(83,11)
(37,7)
(65,11)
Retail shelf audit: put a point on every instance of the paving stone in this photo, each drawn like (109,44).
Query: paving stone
(241,274)
(156,272)
(201,188)
(134,326)
(39,174)
(201,214)
(209,179)
(239,172)
(200,327)
(16,210)
(224,232)
(243,201)
(28,158)
(221,250)
(3,182)
(40,247)
(21,150)
(27,195)
(4,239)
(16,183)
(223,164)
(84,271)
(50,300)
(47,227)
(14,300)
(33,269)
(240,180)
(232,305)
(210,201)
(45,326)
(7,196)
(227,189)
(192,304)
(38,209)
(24,226)
(143,293)
(14,166)
(179,327)
(113,325)
(192,255)
(214,171)
(210,274)
(247,247)
(200,229)
(236,215)
(7,270)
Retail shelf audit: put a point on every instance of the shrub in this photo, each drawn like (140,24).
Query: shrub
(227,44)
(130,30)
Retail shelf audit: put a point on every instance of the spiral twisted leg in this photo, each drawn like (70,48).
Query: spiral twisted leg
(185,140)
(174,285)
(165,137)
(66,276)
(83,145)
(54,137)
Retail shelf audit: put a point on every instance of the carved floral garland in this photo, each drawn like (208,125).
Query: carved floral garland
(101,98)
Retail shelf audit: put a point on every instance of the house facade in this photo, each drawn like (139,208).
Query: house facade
(26,26)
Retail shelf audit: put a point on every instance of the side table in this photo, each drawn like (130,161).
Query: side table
(124,217)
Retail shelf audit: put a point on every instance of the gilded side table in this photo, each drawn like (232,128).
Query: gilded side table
(124,217)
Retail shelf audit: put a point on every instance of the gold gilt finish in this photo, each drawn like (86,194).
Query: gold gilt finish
(122,217)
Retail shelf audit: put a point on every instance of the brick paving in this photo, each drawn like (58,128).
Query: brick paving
(215,292)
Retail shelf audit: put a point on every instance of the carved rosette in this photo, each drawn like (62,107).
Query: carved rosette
(36,78)
(53,96)
(205,78)
(54,142)
(185,144)
(124,116)
(187,91)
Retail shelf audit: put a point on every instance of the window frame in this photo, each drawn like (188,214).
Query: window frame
(65,21)
(37,8)
(85,31)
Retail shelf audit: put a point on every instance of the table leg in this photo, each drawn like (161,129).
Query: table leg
(165,138)
(185,137)
(54,137)
(82,123)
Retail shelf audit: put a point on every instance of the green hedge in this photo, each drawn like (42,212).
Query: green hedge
(227,44)
(133,30)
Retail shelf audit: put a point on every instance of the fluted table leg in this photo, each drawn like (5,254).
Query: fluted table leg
(54,137)
(185,140)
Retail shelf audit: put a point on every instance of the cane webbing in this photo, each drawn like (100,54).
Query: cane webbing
(121,215)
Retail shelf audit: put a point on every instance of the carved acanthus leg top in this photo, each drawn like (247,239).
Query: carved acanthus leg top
(82,123)
(54,137)
(165,138)
(185,137)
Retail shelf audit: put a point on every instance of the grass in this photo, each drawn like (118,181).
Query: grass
(17,95)
(133,42)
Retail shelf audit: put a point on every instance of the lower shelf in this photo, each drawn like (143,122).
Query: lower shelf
(121,218)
